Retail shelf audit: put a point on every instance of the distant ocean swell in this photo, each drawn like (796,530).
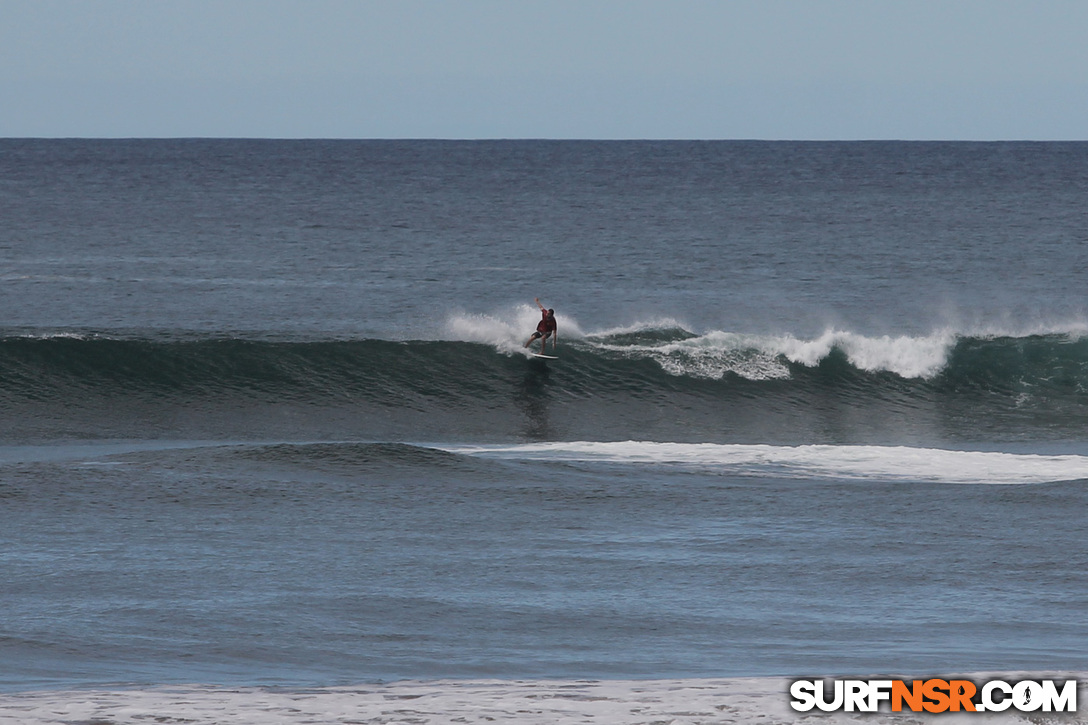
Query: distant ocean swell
(1030,382)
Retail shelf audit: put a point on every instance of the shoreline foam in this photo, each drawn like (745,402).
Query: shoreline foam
(762,700)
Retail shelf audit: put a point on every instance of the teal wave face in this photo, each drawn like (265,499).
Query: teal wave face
(656,386)
(1046,364)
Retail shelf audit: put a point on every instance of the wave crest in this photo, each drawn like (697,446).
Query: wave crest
(765,357)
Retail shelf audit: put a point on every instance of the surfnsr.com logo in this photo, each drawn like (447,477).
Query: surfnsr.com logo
(934,695)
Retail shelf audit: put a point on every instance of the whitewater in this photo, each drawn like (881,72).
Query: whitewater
(713,354)
(683,702)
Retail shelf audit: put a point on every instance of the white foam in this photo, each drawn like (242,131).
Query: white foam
(537,702)
(58,336)
(716,353)
(877,463)
(506,332)
(709,356)
(908,357)
(758,357)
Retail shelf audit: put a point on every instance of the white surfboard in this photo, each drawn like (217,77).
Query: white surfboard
(544,357)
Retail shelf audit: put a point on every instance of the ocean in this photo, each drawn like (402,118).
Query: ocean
(268,427)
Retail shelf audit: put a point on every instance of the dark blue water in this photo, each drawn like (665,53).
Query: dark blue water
(265,414)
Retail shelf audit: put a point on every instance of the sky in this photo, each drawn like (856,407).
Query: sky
(593,69)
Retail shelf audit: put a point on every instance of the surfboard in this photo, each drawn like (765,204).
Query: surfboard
(544,357)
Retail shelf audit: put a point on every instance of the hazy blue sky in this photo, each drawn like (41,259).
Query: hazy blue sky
(775,69)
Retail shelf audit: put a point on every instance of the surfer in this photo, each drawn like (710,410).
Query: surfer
(545,328)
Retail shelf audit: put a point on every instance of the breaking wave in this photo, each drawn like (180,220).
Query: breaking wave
(657,378)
